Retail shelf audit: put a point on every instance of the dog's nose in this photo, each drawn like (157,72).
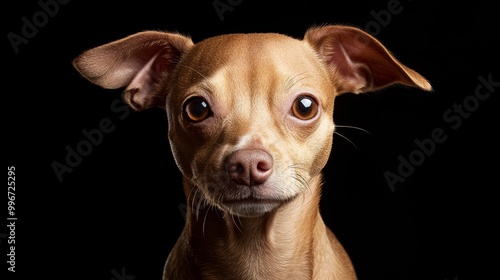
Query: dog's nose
(249,167)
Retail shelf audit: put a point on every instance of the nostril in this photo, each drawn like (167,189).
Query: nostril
(234,168)
(264,165)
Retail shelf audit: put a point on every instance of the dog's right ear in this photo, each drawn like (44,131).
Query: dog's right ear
(138,62)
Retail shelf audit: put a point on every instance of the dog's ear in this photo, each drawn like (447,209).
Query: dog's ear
(138,62)
(360,62)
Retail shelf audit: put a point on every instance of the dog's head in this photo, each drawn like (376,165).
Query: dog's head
(250,115)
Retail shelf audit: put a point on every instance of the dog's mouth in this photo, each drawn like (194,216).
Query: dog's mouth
(251,207)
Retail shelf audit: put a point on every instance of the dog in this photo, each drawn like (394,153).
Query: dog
(250,125)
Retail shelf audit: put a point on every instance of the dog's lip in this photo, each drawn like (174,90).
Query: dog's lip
(252,206)
(254,197)
(257,199)
(254,200)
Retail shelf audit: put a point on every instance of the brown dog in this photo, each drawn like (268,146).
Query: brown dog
(250,126)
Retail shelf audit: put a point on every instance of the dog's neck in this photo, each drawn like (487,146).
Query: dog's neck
(282,244)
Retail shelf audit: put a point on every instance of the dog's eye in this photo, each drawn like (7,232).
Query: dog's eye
(196,109)
(305,107)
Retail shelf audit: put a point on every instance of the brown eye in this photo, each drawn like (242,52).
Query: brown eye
(196,109)
(305,107)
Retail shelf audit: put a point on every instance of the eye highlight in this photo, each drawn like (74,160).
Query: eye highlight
(304,107)
(196,109)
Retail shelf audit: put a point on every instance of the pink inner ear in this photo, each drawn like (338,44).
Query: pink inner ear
(356,75)
(365,65)
(144,81)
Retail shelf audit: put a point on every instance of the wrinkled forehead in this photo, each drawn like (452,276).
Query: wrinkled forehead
(254,60)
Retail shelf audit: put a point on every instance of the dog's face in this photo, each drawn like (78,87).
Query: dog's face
(250,116)
(245,93)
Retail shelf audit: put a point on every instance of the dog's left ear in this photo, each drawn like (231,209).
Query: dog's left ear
(358,61)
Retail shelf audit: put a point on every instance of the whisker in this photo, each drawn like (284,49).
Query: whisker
(302,181)
(236,224)
(299,180)
(190,193)
(353,127)
(346,139)
(297,166)
(194,70)
(189,200)
(204,220)
(305,183)
(192,203)
(295,79)
(300,185)
(200,201)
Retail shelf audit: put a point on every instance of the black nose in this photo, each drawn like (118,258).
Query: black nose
(249,167)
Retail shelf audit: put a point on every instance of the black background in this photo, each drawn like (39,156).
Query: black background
(116,215)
